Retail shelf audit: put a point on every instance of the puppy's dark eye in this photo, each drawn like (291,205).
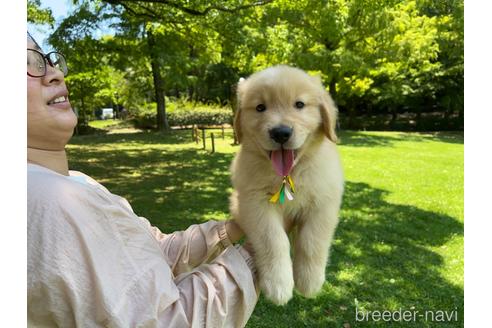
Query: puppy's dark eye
(299,104)
(261,108)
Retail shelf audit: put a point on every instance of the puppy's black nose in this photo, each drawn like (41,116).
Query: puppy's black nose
(281,133)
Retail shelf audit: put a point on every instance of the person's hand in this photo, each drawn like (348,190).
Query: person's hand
(234,231)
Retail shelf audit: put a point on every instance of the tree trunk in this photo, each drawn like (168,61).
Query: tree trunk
(162,123)
(333,89)
(394,114)
(461,118)
(82,115)
(351,117)
(190,93)
(81,118)
(418,118)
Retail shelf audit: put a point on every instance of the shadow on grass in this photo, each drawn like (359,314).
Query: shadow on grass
(360,139)
(380,257)
(144,138)
(383,254)
(173,189)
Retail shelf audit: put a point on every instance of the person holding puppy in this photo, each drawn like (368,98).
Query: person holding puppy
(92,261)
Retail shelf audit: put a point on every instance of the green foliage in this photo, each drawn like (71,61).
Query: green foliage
(38,15)
(94,80)
(375,57)
(182,113)
(201,116)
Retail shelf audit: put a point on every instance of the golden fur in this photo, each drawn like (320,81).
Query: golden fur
(317,175)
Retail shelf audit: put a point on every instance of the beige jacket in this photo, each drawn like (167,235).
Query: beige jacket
(92,262)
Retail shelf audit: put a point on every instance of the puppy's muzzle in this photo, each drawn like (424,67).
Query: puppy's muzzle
(281,134)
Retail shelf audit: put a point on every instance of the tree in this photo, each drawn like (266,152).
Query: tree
(380,56)
(157,25)
(37,15)
(92,81)
(161,16)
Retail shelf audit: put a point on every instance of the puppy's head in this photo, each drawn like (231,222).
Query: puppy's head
(282,107)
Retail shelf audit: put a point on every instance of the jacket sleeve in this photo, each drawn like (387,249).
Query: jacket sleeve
(187,249)
(222,293)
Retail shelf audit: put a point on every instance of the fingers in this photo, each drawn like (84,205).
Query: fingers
(233,230)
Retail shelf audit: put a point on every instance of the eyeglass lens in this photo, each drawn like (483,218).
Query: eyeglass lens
(58,61)
(36,63)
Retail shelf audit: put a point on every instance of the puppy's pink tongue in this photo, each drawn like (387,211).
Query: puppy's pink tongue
(282,160)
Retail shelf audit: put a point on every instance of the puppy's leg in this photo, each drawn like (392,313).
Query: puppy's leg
(311,250)
(263,226)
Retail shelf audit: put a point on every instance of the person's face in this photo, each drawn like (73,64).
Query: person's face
(50,124)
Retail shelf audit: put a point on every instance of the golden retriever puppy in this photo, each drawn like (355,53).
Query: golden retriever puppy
(285,123)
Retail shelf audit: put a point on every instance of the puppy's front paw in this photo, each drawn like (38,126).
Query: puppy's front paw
(278,285)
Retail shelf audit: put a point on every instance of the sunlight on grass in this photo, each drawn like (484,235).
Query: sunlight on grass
(399,243)
(101,124)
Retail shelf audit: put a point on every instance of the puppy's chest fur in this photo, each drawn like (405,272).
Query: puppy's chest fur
(254,179)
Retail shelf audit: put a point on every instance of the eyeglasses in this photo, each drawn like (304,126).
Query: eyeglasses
(36,62)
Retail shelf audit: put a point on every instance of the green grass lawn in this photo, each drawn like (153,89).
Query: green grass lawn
(399,244)
(104,124)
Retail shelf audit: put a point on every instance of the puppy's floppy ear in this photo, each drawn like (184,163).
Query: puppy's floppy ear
(237,123)
(328,110)
(329,113)
(237,117)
